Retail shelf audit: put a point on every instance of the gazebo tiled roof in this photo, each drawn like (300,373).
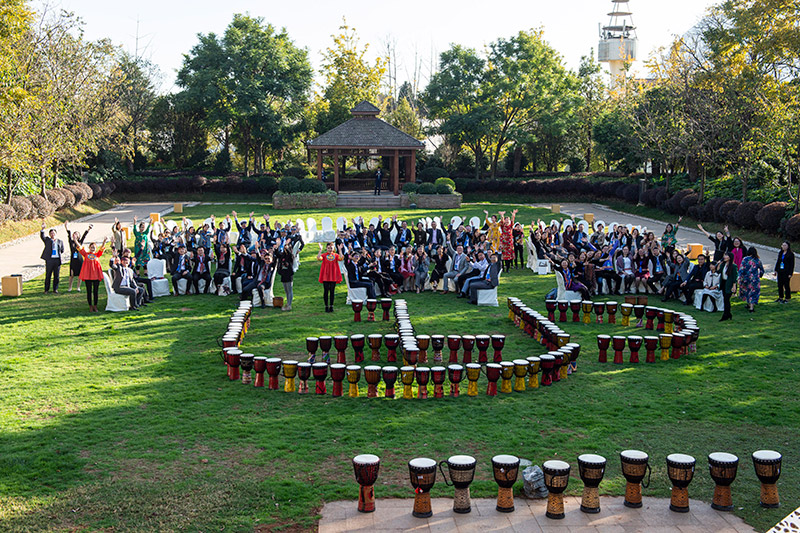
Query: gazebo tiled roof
(365,130)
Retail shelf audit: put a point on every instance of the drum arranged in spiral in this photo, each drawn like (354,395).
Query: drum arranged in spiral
(366,468)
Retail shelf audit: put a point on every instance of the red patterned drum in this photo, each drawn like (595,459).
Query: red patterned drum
(422,374)
(337,376)
(366,468)
(389,379)
(634,345)
(358,305)
(651,345)
(392,341)
(482,342)
(468,343)
(453,343)
(603,342)
(492,375)
(320,372)
(438,374)
(456,374)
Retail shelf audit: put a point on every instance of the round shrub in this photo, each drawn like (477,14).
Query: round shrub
(268,184)
(6,212)
(298,172)
(690,200)
(726,210)
(444,188)
(312,185)
(770,216)
(427,188)
(745,214)
(631,193)
(22,207)
(707,213)
(718,216)
(792,228)
(56,197)
(661,197)
(87,191)
(97,190)
(289,184)
(78,192)
(41,207)
(69,197)
(431,174)
(410,187)
(695,211)
(445,181)
(674,203)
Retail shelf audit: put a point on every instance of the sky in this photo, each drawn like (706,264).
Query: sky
(167,29)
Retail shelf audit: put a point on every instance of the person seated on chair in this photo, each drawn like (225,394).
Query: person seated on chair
(711,289)
(404,234)
(374,271)
(458,267)
(435,238)
(356,277)
(658,268)
(696,279)
(201,270)
(384,234)
(625,267)
(680,273)
(223,268)
(181,268)
(262,279)
(391,267)
(144,282)
(570,283)
(124,283)
(439,267)
(479,266)
(489,280)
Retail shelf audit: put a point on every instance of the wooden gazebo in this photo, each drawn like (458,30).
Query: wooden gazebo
(365,135)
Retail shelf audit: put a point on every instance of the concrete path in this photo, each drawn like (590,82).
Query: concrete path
(529,516)
(23,255)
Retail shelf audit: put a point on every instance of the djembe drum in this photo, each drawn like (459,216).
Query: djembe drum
(386,305)
(669,317)
(611,309)
(493,371)
(325,343)
(599,309)
(638,312)
(372,374)
(461,470)
(548,363)
(259,367)
(358,305)
(358,341)
(591,468)
(558,362)
(567,351)
(650,313)
(680,469)
(312,343)
(677,344)
(635,464)
(575,307)
(556,477)
(456,374)
(506,373)
(506,469)
(353,375)
(626,310)
(586,307)
(453,343)
(234,361)
(665,341)
(510,300)
(272,366)
(337,376)
(375,341)
(246,361)
(563,306)
(520,371)
(498,342)
(634,344)
(641,300)
(389,379)
(422,375)
(437,343)
(407,378)
(603,342)
(473,374)
(551,305)
(651,345)
(303,373)
(340,343)
(573,356)
(366,468)
(467,343)
(660,317)
(372,304)
(320,373)
(482,342)
(618,342)
(392,341)
(422,472)
(534,363)
(722,467)
(768,469)
(438,374)
(423,342)
(630,300)
(411,354)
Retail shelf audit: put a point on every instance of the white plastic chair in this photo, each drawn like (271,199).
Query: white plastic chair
(542,267)
(438,221)
(475,222)
(555,224)
(456,221)
(268,295)
(155,271)
(341,223)
(563,293)
(567,224)
(373,222)
(170,225)
(328,235)
(598,223)
(359,293)
(311,228)
(115,302)
(489,296)
(428,222)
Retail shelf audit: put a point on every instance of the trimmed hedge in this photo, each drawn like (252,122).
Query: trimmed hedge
(427,188)
(745,215)
(445,181)
(770,216)
(41,207)
(443,188)
(22,208)
(792,228)
(729,206)
(431,174)
(410,187)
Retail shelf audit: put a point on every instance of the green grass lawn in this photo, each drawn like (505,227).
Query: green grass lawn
(127,422)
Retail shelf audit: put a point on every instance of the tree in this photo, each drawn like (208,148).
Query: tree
(593,91)
(137,94)
(177,132)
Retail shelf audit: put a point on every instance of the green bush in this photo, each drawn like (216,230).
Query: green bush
(443,188)
(289,184)
(298,172)
(312,185)
(427,188)
(445,181)
(222,162)
(576,164)
(267,184)
(431,174)
(410,187)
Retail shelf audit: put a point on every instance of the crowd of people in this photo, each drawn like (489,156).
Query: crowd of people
(390,256)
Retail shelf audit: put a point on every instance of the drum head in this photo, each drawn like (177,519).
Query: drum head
(376,336)
(235,351)
(533,359)
(592,459)
(555,464)
(422,462)
(319,365)
(505,459)
(604,336)
(506,363)
(722,457)
(425,369)
(521,362)
(366,459)
(289,362)
(276,360)
(337,366)
(473,365)
(368,367)
(407,369)
(299,364)
(766,455)
(635,337)
(680,458)
(353,367)
(546,357)
(634,455)
(493,365)
(259,359)
(357,337)
(391,368)
(436,369)
(456,367)
(462,460)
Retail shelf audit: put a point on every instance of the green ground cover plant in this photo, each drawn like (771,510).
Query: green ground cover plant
(127,422)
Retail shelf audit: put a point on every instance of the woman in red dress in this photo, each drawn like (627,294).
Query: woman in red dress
(92,272)
(329,274)
(507,239)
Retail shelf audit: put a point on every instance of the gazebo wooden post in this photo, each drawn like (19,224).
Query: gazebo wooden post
(319,164)
(336,170)
(396,172)
(411,166)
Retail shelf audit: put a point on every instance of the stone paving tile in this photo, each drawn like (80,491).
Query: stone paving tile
(394,515)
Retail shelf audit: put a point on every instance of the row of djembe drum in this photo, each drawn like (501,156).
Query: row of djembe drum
(372,305)
(523,372)
(535,325)
(679,344)
(722,467)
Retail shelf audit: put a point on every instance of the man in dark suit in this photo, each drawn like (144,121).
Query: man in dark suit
(262,279)
(697,276)
(435,238)
(378,179)
(390,265)
(403,238)
(489,280)
(201,270)
(53,248)
(125,284)
(181,268)
(458,267)
(356,278)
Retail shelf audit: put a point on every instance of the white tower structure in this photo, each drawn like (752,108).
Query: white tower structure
(618,39)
